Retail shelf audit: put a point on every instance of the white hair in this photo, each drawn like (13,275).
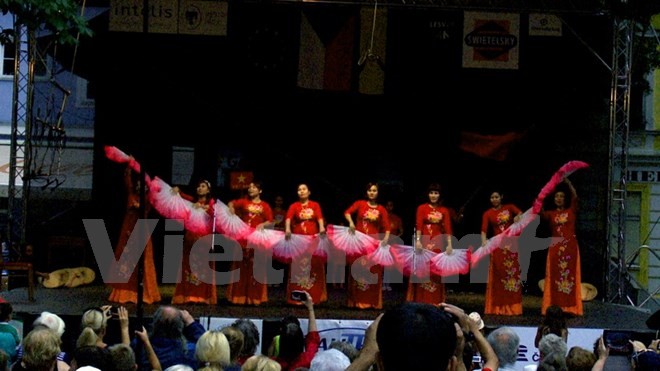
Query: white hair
(52,321)
(329,360)
(179,368)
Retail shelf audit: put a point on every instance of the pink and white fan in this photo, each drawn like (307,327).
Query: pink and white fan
(230,224)
(322,246)
(199,221)
(445,264)
(352,243)
(558,177)
(290,249)
(264,239)
(382,256)
(167,202)
(115,154)
(413,261)
(516,228)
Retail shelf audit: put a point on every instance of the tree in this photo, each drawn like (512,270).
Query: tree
(61,17)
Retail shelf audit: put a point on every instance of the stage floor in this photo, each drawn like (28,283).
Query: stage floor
(72,302)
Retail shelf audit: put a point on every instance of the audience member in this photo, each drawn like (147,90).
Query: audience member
(505,342)
(260,362)
(472,338)
(235,338)
(552,352)
(580,359)
(345,347)
(290,348)
(52,322)
(212,351)
(41,347)
(123,357)
(9,338)
(250,338)
(92,355)
(87,338)
(173,338)
(329,360)
(411,334)
(143,336)
(179,368)
(97,320)
(602,353)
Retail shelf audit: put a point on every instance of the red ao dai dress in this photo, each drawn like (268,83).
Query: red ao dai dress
(433,221)
(307,273)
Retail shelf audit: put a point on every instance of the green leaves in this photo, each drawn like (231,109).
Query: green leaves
(61,17)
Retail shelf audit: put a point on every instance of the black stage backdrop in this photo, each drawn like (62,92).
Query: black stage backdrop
(237,96)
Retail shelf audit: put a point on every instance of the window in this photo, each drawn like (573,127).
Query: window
(84,95)
(8,52)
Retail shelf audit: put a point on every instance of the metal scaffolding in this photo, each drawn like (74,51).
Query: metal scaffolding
(616,270)
(21,124)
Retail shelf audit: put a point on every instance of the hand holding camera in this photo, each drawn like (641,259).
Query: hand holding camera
(298,295)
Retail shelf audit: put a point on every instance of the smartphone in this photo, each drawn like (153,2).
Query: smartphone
(618,341)
(298,295)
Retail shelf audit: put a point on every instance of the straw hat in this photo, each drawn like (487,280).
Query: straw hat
(477,318)
(589,291)
(69,277)
(56,278)
(542,285)
(80,276)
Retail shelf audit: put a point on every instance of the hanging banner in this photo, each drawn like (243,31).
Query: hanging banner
(327,49)
(544,25)
(203,17)
(491,40)
(192,17)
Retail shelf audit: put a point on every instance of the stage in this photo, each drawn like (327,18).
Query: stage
(72,302)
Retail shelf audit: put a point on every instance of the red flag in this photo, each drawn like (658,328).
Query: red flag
(240,179)
(490,146)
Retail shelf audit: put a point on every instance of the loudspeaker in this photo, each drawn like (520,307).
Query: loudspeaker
(653,322)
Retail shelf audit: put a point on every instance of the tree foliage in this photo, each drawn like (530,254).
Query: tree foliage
(61,17)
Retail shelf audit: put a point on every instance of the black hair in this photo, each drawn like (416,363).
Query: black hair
(5,311)
(416,334)
(292,340)
(250,335)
